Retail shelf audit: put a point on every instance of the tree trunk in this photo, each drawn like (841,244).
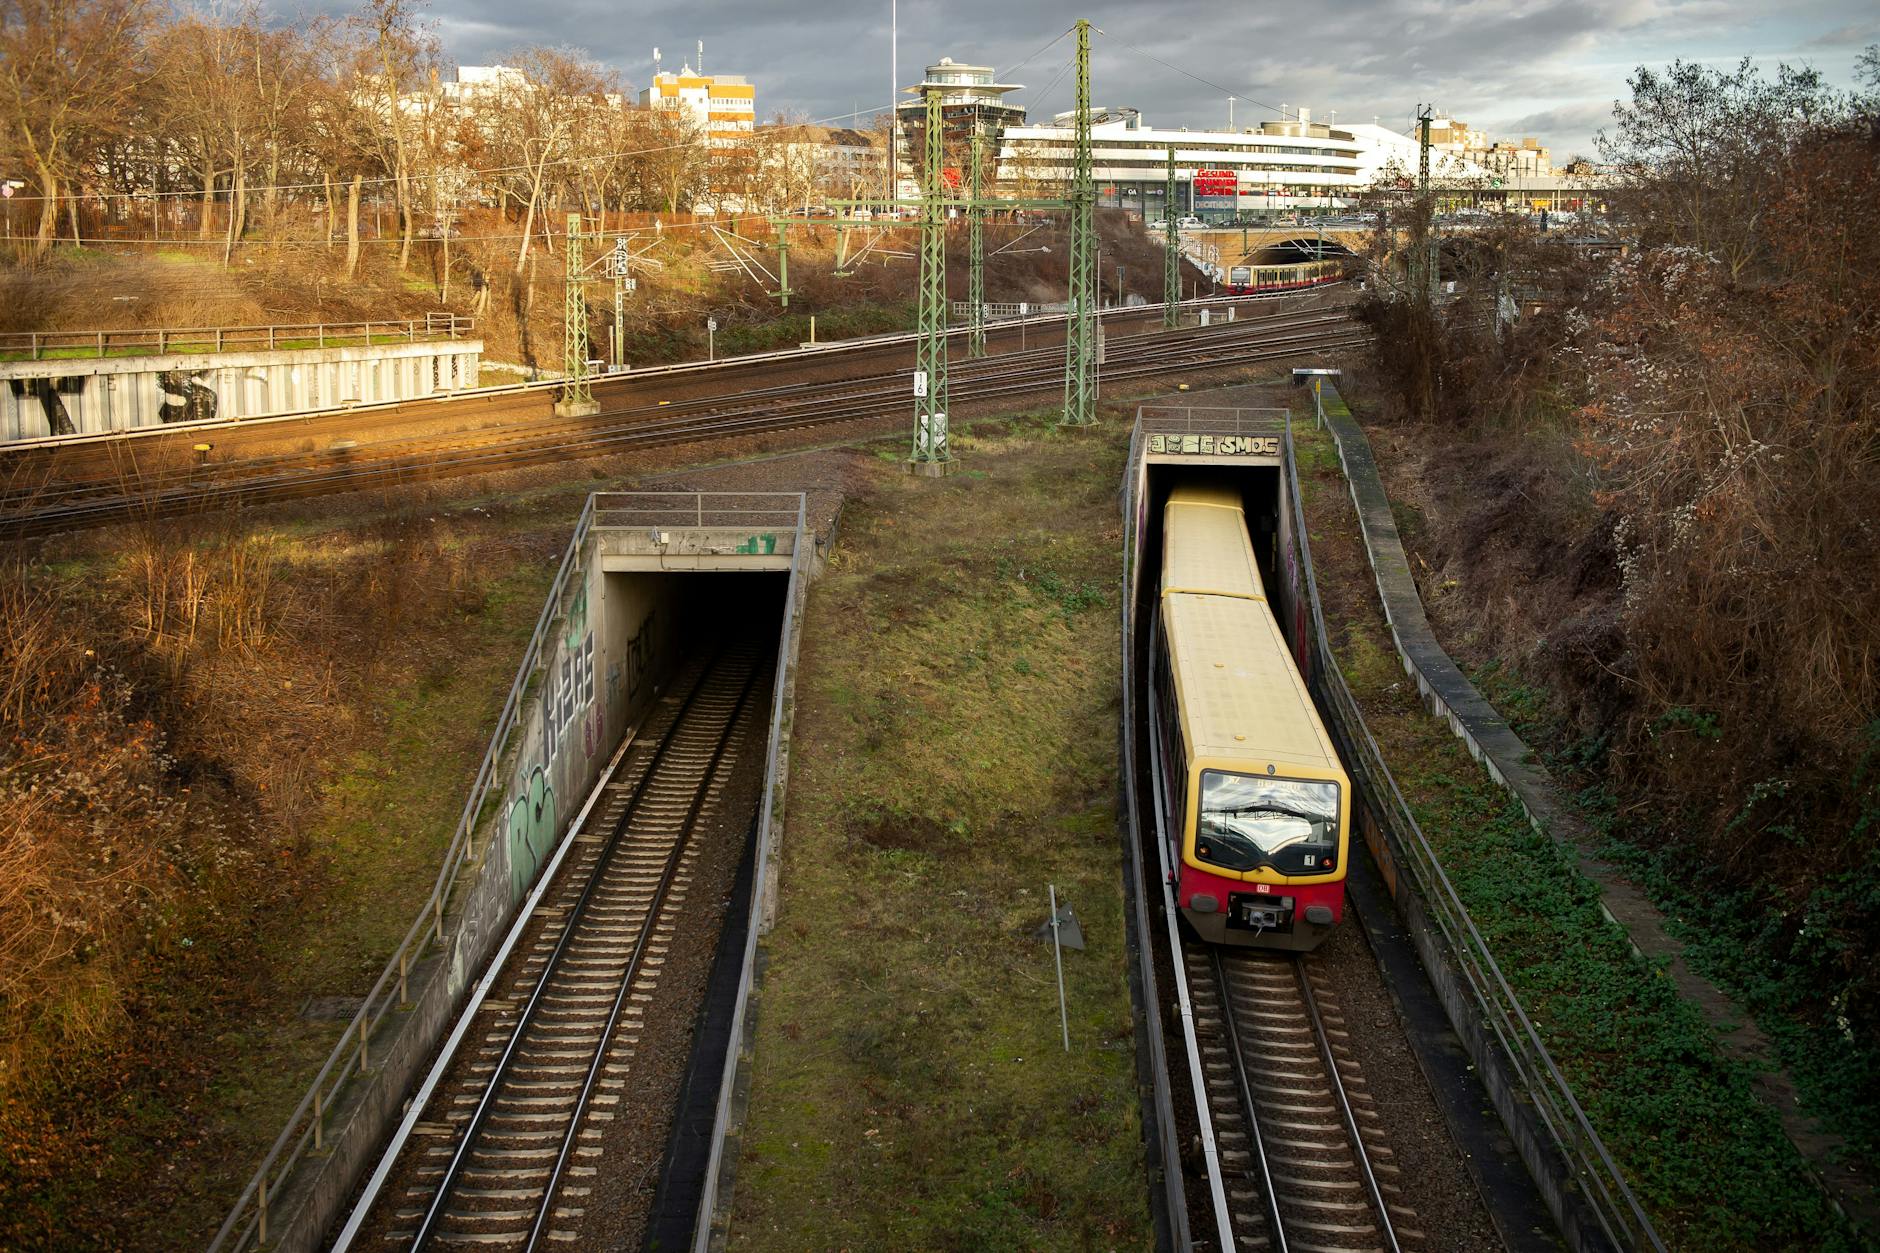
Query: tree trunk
(238,194)
(528,225)
(352,225)
(48,211)
(271,204)
(71,210)
(326,182)
(208,200)
(404,213)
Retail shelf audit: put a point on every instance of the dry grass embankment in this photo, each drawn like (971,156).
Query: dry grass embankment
(231,756)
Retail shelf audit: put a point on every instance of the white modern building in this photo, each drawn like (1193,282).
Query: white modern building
(722,106)
(1278,165)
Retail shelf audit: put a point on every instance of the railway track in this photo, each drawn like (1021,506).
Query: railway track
(40,508)
(1302,1153)
(508,1152)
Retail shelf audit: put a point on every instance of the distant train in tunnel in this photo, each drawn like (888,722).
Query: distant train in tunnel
(1244,280)
(1254,801)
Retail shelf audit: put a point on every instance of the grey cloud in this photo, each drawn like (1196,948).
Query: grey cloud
(1525,66)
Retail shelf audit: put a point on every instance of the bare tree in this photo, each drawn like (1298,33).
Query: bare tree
(533,119)
(68,68)
(1696,152)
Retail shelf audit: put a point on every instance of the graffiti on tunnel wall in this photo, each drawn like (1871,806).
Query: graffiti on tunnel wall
(531,829)
(567,700)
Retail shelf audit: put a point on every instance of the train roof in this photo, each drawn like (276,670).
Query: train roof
(1205,546)
(1241,699)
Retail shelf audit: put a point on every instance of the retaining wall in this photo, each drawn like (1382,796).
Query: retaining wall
(607,641)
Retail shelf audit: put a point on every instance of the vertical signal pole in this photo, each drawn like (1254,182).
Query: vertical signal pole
(976,271)
(1426,264)
(931,454)
(577,399)
(619,266)
(1080,334)
(1171,251)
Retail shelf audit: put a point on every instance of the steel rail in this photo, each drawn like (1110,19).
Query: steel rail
(1343,1099)
(815,410)
(801,353)
(1249,1107)
(673,859)
(888,384)
(480,1115)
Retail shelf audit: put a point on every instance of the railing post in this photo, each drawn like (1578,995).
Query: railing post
(270,337)
(404,962)
(35,345)
(322,332)
(262,1207)
(438,912)
(161,336)
(218,339)
(319,1133)
(101,343)
(365,1019)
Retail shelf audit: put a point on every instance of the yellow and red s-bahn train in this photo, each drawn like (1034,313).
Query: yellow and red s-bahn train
(1255,804)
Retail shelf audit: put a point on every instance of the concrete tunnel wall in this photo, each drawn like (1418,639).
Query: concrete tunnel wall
(613,643)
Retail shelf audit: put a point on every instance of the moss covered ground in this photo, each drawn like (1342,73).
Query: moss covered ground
(954,753)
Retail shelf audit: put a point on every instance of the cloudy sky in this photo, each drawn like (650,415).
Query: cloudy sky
(1549,68)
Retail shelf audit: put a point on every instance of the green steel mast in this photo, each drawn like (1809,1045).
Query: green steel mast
(1080,332)
(976,271)
(1171,251)
(576,397)
(931,454)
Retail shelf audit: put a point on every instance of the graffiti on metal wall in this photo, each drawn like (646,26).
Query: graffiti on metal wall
(186,398)
(50,394)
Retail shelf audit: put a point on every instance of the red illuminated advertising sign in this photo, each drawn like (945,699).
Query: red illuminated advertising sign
(1216,183)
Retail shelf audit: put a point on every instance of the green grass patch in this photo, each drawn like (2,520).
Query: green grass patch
(1706,1157)
(954,753)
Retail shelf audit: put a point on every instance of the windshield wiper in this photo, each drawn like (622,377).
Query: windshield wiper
(1267,809)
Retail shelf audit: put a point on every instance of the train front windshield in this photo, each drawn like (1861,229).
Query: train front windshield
(1249,821)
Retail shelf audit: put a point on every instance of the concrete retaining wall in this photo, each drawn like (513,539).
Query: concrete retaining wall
(610,639)
(42,399)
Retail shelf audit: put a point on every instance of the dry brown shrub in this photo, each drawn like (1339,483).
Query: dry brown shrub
(90,826)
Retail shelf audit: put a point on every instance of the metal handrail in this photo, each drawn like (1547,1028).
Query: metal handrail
(305,1127)
(103,343)
(1613,1203)
(690,509)
(1216,420)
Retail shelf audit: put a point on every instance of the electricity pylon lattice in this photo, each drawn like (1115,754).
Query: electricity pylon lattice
(976,270)
(931,454)
(577,398)
(1171,251)
(1080,331)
